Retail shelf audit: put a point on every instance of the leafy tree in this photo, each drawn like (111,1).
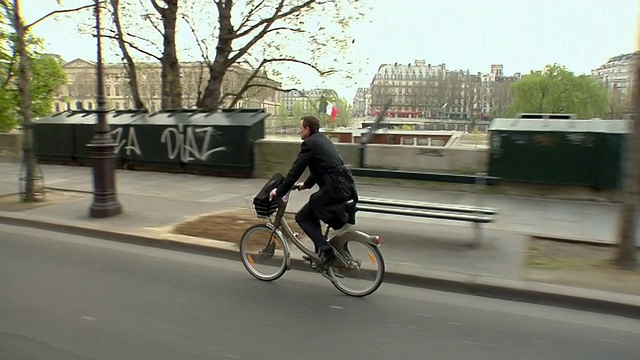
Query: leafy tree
(46,76)
(301,108)
(251,34)
(291,117)
(344,116)
(557,90)
(26,96)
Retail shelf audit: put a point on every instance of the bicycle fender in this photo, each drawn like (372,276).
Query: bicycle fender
(339,241)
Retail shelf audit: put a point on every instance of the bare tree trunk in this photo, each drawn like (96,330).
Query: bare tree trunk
(626,254)
(28,156)
(171,87)
(129,63)
(211,97)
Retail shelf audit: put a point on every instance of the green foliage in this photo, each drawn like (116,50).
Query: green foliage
(291,117)
(557,90)
(46,75)
(311,106)
(344,114)
(8,118)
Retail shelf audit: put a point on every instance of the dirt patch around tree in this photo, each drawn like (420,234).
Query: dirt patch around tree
(578,265)
(227,226)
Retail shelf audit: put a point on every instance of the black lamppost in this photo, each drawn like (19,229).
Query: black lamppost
(105,202)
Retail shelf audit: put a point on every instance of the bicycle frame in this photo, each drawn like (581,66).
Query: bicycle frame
(336,242)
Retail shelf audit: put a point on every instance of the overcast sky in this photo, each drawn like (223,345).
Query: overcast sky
(522,35)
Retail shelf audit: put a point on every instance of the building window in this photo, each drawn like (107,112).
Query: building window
(117,104)
(68,106)
(90,105)
(117,90)
(423,142)
(57,107)
(408,141)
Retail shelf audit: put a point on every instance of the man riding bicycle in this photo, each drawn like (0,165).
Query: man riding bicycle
(337,186)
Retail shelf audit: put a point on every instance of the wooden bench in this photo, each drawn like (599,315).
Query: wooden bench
(473,214)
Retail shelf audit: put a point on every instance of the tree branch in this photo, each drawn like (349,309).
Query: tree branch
(134,36)
(133,46)
(267,23)
(158,8)
(56,12)
(314,67)
(204,51)
(148,18)
(14,56)
(200,80)
(247,18)
(256,74)
(245,87)
(284,28)
(267,86)
(276,16)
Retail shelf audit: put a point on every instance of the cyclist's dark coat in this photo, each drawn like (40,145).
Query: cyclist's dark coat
(335,181)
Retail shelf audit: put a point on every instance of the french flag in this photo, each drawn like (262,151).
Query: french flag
(332,110)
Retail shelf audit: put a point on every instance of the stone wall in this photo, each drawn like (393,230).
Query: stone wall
(428,159)
(272,156)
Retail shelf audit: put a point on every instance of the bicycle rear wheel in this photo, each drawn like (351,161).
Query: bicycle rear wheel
(365,270)
(264,252)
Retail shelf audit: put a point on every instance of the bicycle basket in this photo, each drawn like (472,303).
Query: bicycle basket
(264,208)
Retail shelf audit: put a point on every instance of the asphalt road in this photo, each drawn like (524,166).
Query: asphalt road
(70,297)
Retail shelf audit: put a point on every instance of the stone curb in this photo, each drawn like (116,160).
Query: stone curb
(523,291)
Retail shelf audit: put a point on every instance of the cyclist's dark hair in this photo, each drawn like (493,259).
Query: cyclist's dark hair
(312,123)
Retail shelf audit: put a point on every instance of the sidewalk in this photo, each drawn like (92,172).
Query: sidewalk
(418,252)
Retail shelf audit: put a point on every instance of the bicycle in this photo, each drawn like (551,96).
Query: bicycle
(267,256)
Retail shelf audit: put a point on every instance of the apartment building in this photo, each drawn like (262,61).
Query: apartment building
(422,90)
(308,100)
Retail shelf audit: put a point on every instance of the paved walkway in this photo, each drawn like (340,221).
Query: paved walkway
(431,250)
(563,219)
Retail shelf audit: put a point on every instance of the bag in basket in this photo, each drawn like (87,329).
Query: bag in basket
(261,202)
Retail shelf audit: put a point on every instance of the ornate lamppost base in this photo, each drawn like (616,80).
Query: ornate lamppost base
(105,203)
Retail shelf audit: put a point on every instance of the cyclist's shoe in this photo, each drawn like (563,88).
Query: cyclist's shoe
(327,255)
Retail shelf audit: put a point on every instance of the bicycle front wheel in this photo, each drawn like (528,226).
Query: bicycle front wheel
(264,252)
(364,272)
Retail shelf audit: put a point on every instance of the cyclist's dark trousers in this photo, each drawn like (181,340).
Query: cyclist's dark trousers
(310,223)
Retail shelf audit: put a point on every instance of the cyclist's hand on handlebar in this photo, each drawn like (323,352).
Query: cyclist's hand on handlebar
(300,186)
(272,194)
